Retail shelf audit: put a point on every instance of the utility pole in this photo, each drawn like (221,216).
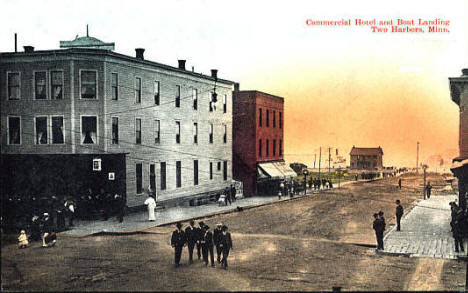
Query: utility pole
(424,188)
(417,157)
(329,160)
(315,158)
(320,160)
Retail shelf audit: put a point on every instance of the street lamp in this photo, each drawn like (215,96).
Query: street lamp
(305,172)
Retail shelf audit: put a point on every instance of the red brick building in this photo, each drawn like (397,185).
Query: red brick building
(258,121)
(458,86)
(366,158)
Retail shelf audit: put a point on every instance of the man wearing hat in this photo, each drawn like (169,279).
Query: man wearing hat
(379,227)
(399,213)
(217,240)
(226,245)
(199,232)
(191,235)
(178,241)
(207,245)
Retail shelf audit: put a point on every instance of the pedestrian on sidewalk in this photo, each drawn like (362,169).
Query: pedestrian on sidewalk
(199,232)
(151,205)
(226,246)
(217,240)
(70,208)
(191,236)
(457,225)
(399,213)
(207,245)
(428,189)
(379,228)
(119,203)
(399,183)
(178,242)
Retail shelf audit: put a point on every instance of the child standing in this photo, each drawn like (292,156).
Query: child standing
(23,239)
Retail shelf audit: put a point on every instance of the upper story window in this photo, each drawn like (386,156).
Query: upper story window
(137,90)
(224,103)
(260,118)
(177,131)
(211,132)
(138,131)
(225,133)
(157,131)
(56,85)
(259,148)
(115,130)
(212,102)
(267,148)
(267,118)
(13,85)
(41,130)
(40,91)
(88,86)
(274,119)
(115,86)
(89,130)
(195,98)
(14,130)
(156,93)
(280,147)
(280,120)
(195,132)
(177,97)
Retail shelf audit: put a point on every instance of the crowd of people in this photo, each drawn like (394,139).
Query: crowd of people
(204,240)
(37,216)
(295,187)
(227,196)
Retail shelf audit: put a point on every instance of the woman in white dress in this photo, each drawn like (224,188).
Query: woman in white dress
(151,203)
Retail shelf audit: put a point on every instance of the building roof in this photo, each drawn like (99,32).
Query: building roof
(366,151)
(256,93)
(106,52)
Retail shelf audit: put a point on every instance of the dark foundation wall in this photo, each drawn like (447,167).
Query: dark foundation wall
(60,174)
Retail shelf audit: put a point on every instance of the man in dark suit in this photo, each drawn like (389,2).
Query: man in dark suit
(191,236)
(399,213)
(217,240)
(226,245)
(379,228)
(178,241)
(207,246)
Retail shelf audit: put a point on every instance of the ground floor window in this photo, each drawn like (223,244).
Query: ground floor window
(14,130)
(195,172)
(152,177)
(225,170)
(139,178)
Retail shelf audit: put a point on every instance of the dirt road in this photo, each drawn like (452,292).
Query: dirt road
(303,244)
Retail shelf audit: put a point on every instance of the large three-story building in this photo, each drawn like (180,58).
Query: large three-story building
(118,122)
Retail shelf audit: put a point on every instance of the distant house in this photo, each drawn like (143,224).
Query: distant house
(366,158)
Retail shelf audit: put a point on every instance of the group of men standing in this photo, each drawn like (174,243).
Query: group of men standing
(204,240)
(379,227)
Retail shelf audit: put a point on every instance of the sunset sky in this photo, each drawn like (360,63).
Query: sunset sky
(343,86)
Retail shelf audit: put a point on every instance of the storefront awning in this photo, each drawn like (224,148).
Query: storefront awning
(458,164)
(276,170)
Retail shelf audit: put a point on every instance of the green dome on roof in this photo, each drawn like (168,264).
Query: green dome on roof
(87,42)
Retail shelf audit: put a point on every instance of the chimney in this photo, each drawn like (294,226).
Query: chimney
(28,49)
(181,64)
(16,43)
(139,53)
(465,72)
(214,73)
(236,87)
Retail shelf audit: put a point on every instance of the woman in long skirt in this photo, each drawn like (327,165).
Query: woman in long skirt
(151,203)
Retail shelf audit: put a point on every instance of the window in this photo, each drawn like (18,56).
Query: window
(225,104)
(260,148)
(195,132)
(13,81)
(152,177)
(163,175)
(260,117)
(178,174)
(280,147)
(115,86)
(137,90)
(225,133)
(89,130)
(211,170)
(156,93)
(195,172)
(211,133)
(274,119)
(280,120)
(210,98)
(115,130)
(14,130)
(267,150)
(195,98)
(177,97)
(57,130)
(139,178)
(177,132)
(138,131)
(225,170)
(219,166)
(274,147)
(268,118)
(40,85)
(41,130)
(157,131)
(88,84)
(56,85)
